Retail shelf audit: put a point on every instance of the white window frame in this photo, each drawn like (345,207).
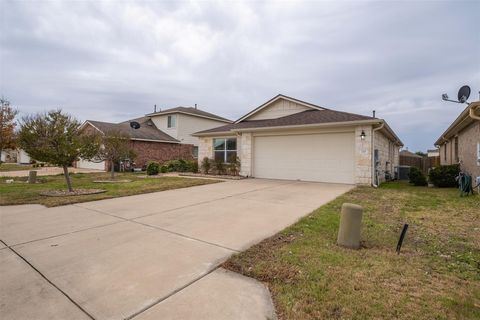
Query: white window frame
(225,150)
(172,121)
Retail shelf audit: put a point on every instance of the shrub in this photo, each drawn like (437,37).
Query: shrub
(181,166)
(153,168)
(444,176)
(194,168)
(206,165)
(163,169)
(220,166)
(234,166)
(416,177)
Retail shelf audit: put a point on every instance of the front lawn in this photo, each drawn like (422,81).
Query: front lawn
(22,193)
(436,276)
(5,167)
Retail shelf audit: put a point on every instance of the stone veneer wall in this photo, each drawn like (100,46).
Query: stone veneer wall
(245,154)
(387,152)
(363,156)
(467,149)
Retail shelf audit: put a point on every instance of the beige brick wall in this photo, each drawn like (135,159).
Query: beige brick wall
(388,155)
(244,144)
(467,149)
(363,156)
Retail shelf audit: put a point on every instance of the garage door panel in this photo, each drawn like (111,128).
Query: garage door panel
(84,164)
(313,157)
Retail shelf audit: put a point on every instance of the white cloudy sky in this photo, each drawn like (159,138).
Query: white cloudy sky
(113,60)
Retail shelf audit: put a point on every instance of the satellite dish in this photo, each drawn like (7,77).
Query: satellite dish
(134,125)
(463,94)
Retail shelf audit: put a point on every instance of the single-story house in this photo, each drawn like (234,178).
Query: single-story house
(286,138)
(15,156)
(162,136)
(460,143)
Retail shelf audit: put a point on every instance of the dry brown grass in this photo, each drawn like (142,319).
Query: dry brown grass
(436,276)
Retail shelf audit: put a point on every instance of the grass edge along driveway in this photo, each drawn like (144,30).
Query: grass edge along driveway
(437,275)
(21,192)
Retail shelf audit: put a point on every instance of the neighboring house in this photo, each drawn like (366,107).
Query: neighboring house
(15,155)
(286,138)
(148,142)
(411,159)
(431,153)
(162,136)
(460,143)
(181,122)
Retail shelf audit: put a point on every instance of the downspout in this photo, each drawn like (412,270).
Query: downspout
(374,173)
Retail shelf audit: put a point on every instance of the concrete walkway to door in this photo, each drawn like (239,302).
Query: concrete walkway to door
(150,256)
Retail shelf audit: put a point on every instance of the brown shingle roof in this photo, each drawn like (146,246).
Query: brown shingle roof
(147,130)
(192,111)
(301,118)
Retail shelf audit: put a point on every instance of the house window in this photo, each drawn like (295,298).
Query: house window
(172,121)
(225,149)
(195,152)
(456,149)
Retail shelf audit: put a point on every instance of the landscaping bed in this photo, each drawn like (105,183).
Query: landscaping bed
(436,276)
(213,176)
(24,193)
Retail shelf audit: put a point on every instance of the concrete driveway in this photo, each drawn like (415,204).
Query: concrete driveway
(151,256)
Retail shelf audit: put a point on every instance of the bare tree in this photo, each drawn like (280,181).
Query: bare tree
(115,147)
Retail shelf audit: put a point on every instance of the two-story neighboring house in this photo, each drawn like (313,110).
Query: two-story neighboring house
(160,136)
(460,143)
(181,122)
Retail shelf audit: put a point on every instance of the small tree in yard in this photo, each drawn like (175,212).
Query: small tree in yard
(7,125)
(53,137)
(115,147)
(206,165)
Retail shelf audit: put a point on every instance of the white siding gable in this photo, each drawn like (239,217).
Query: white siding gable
(278,109)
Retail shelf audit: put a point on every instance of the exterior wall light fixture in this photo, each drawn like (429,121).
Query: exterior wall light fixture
(362,135)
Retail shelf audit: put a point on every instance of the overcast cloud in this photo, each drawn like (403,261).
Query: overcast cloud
(113,60)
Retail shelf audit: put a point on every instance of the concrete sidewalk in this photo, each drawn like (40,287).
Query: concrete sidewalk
(150,256)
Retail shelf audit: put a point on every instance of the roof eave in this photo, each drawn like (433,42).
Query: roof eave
(161,113)
(293,127)
(154,140)
(465,115)
(209,134)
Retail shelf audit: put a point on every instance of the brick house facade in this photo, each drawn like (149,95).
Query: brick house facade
(160,151)
(460,143)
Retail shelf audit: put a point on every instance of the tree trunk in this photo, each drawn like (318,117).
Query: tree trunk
(112,170)
(67,177)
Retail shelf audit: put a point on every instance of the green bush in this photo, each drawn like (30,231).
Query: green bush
(234,166)
(416,177)
(220,166)
(444,176)
(206,165)
(153,168)
(163,169)
(181,165)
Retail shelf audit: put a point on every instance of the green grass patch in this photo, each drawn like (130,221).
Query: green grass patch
(6,167)
(436,276)
(21,192)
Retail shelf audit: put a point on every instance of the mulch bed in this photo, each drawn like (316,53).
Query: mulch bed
(112,181)
(66,193)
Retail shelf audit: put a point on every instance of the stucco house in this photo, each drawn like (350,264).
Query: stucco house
(286,138)
(162,136)
(460,143)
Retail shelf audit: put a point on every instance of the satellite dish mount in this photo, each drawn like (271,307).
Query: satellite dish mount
(463,95)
